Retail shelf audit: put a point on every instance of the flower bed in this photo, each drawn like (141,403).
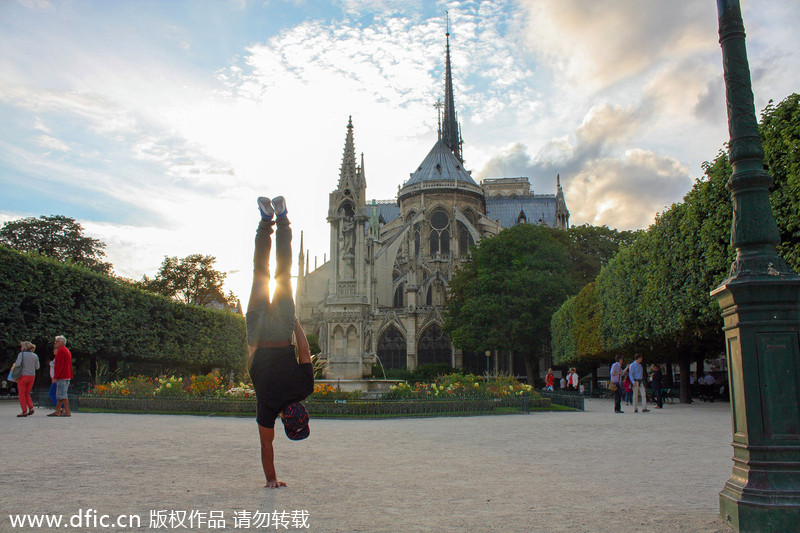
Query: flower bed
(453,394)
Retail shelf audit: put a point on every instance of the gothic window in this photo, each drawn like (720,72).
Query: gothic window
(439,236)
(429,296)
(470,214)
(416,240)
(465,239)
(434,347)
(392,348)
(439,220)
(399,296)
(521,218)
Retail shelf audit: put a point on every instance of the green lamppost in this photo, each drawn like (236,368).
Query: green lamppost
(760,304)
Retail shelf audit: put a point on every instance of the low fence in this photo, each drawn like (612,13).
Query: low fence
(360,408)
(575,400)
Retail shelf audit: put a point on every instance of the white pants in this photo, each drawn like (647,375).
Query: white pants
(638,388)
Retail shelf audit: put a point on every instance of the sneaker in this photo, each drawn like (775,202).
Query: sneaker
(620,412)
(635,410)
(645,410)
(279,203)
(265,207)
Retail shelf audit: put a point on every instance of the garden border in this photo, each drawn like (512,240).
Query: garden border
(321,408)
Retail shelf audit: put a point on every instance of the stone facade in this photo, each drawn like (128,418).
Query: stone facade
(380,294)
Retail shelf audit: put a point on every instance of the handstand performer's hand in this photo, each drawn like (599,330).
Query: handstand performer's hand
(274,484)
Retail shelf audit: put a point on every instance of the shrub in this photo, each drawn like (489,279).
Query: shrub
(431,371)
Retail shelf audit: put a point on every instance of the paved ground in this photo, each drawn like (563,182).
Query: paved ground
(545,472)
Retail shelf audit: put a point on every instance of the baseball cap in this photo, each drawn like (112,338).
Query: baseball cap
(295,421)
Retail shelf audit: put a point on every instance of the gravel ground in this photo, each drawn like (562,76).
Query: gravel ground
(545,472)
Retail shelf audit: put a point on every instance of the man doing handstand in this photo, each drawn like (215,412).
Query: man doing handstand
(281,381)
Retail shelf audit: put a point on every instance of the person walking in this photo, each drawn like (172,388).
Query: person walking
(281,380)
(627,388)
(548,380)
(616,382)
(62,374)
(636,373)
(655,380)
(709,385)
(28,361)
(52,391)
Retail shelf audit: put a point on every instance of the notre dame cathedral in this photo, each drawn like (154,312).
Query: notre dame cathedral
(383,288)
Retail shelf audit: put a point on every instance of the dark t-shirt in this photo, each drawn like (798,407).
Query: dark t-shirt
(278,381)
(657,379)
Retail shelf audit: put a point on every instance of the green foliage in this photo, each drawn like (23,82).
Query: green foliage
(591,247)
(780,135)
(562,325)
(107,318)
(313,343)
(58,237)
(191,280)
(431,371)
(505,297)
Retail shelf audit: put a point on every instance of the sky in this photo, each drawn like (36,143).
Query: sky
(157,124)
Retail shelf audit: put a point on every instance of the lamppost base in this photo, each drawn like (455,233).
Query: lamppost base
(761,316)
(747,513)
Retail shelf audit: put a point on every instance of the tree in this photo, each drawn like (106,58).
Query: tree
(191,280)
(58,237)
(110,320)
(504,297)
(591,247)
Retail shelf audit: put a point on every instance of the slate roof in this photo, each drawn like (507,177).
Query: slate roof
(440,165)
(506,209)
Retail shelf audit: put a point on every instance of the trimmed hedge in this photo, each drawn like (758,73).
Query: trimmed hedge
(108,318)
(320,408)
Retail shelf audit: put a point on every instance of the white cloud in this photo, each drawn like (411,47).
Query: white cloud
(51,143)
(37,5)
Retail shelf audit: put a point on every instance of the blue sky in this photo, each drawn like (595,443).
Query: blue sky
(157,124)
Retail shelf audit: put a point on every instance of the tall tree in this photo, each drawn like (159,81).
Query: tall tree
(191,280)
(58,237)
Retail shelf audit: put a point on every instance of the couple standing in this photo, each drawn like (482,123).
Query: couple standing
(60,376)
(636,374)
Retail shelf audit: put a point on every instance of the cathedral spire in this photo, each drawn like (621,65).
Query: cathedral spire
(451,133)
(348,175)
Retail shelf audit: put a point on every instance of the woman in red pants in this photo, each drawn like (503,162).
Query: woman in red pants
(29,362)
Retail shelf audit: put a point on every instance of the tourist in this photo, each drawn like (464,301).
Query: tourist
(655,380)
(281,381)
(548,380)
(692,387)
(636,373)
(616,383)
(563,384)
(62,373)
(627,387)
(573,379)
(28,361)
(52,391)
(710,386)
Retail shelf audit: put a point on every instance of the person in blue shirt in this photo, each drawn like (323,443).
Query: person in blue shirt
(636,375)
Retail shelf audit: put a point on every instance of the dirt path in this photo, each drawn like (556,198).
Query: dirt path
(546,472)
